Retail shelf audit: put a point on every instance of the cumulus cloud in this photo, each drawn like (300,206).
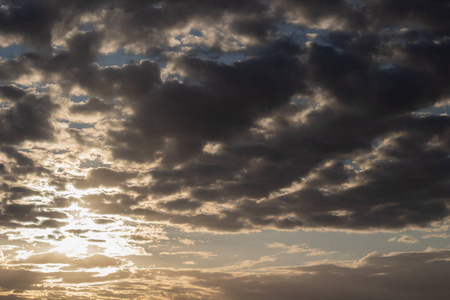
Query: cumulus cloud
(27,117)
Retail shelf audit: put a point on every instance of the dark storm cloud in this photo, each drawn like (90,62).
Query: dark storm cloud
(21,215)
(261,165)
(156,15)
(18,208)
(16,192)
(361,84)
(26,118)
(23,164)
(311,12)
(423,15)
(12,92)
(360,81)
(406,184)
(21,160)
(213,103)
(181,205)
(32,20)
(372,15)
(82,49)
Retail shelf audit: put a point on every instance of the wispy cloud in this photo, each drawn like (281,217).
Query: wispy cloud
(404,239)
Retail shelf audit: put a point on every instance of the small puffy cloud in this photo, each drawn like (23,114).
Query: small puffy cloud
(406,239)
(187,242)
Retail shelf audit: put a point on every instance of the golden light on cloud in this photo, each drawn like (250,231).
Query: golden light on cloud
(72,245)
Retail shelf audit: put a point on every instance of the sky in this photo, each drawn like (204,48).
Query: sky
(225,149)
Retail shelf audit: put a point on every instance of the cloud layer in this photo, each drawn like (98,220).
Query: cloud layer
(221,117)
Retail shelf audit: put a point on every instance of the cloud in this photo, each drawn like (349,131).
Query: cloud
(407,239)
(93,261)
(46,258)
(437,235)
(19,279)
(181,205)
(404,239)
(96,261)
(187,242)
(27,117)
(103,177)
(92,105)
(11,92)
(392,272)
(303,248)
(17,215)
(222,116)
(283,110)
(204,255)
(31,21)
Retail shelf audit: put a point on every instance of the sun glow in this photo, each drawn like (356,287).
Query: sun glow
(73,246)
(84,236)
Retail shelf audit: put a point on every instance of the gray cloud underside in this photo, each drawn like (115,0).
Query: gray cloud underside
(371,75)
